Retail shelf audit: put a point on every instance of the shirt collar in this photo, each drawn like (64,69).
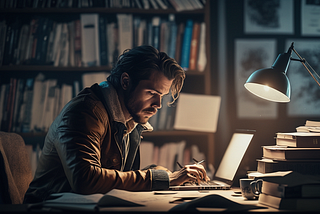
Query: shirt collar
(113,104)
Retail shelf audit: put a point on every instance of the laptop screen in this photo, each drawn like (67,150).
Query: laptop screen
(233,155)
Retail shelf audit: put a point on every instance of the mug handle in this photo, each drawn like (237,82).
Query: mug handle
(256,186)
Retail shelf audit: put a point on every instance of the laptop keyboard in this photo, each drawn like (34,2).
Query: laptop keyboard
(202,183)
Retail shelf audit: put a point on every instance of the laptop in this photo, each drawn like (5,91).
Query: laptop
(228,166)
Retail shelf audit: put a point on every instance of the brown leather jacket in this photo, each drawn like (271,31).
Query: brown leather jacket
(83,150)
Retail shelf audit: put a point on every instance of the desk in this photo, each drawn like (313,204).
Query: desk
(162,201)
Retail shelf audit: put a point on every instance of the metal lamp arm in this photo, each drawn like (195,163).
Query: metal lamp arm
(305,64)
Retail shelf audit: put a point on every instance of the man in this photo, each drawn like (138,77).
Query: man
(93,145)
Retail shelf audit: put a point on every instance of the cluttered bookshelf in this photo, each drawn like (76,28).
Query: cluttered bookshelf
(63,46)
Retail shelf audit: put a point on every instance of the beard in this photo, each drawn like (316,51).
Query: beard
(138,114)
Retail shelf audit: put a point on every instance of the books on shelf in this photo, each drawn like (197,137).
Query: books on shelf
(31,104)
(290,153)
(298,139)
(94,40)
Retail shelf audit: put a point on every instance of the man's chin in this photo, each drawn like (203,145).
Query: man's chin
(141,120)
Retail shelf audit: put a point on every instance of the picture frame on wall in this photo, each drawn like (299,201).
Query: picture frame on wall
(251,55)
(305,94)
(310,18)
(268,17)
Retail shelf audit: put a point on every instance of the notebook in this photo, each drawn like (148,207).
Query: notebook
(228,166)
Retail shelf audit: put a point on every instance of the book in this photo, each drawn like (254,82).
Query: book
(45,28)
(3,31)
(303,204)
(202,58)
(90,52)
(290,153)
(173,36)
(180,32)
(311,190)
(77,43)
(103,45)
(156,32)
(312,123)
(310,126)
(112,41)
(37,102)
(63,59)
(308,167)
(186,44)
(26,109)
(298,139)
(164,36)
(71,30)
(22,45)
(290,184)
(18,103)
(125,32)
(194,48)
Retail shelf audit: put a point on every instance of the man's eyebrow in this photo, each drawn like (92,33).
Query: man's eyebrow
(159,92)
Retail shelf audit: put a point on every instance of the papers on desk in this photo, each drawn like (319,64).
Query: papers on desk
(73,201)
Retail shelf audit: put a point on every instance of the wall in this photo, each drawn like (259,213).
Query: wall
(228,25)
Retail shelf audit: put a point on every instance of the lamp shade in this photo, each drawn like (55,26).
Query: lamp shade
(272,83)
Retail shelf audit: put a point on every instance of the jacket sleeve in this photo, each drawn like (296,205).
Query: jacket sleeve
(80,133)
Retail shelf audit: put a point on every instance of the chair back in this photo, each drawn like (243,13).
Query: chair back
(15,168)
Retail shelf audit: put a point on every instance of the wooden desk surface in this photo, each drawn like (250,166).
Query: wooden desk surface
(162,201)
(153,201)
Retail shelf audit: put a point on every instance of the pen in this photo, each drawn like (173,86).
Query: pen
(179,165)
(197,162)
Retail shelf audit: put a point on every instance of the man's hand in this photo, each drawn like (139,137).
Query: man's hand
(189,173)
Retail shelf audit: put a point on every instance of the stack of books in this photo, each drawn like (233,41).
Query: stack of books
(296,151)
(290,191)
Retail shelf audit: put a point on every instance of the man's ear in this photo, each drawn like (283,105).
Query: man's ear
(125,81)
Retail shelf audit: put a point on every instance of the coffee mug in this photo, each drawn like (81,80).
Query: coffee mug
(250,189)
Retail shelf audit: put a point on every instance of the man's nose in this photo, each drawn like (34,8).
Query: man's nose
(157,102)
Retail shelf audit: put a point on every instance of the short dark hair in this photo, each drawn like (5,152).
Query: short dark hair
(141,61)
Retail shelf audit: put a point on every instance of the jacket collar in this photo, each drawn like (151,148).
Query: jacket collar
(115,110)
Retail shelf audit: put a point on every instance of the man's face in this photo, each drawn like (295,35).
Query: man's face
(143,102)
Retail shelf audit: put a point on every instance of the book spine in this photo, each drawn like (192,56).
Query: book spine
(103,45)
(299,141)
(303,167)
(186,44)
(194,48)
(287,154)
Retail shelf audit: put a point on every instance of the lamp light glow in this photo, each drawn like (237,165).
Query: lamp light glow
(272,83)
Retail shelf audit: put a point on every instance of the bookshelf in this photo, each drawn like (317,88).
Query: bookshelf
(196,81)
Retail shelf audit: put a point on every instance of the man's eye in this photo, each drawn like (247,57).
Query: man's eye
(152,93)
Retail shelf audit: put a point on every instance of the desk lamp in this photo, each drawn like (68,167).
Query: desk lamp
(272,83)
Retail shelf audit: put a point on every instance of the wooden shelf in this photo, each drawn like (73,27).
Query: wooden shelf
(58,69)
(51,68)
(98,10)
